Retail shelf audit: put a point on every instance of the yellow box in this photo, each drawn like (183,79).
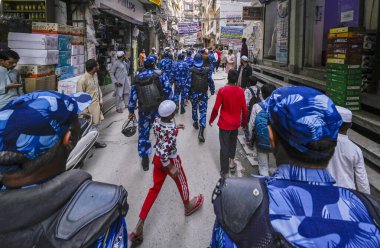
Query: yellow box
(42,83)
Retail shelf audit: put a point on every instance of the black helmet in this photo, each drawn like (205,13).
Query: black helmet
(129,128)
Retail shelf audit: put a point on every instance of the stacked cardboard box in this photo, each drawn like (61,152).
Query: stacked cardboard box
(344,73)
(77,51)
(38,55)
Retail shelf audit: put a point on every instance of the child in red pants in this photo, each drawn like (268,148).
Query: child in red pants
(166,162)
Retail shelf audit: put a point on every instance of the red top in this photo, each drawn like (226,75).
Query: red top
(233,104)
(219,55)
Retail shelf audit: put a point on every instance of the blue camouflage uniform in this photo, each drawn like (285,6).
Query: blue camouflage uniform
(199,100)
(145,119)
(166,65)
(180,75)
(189,61)
(212,59)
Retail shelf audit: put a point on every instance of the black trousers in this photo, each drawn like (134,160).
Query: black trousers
(227,139)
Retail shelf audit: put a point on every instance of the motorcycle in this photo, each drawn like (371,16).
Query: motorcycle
(89,135)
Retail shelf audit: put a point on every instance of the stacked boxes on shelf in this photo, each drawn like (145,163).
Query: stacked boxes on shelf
(344,58)
(38,52)
(77,51)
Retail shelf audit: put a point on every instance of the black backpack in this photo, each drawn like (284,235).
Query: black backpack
(149,92)
(255,99)
(199,79)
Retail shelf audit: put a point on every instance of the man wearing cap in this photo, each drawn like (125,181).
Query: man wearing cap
(200,81)
(347,165)
(189,59)
(53,207)
(154,53)
(245,71)
(166,64)
(298,206)
(166,162)
(121,81)
(89,83)
(180,75)
(149,88)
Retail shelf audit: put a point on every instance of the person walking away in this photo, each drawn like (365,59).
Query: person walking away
(230,61)
(200,82)
(347,165)
(166,162)
(233,114)
(219,52)
(53,207)
(148,90)
(244,47)
(224,58)
(8,90)
(238,60)
(298,206)
(245,71)
(211,57)
(180,74)
(257,127)
(189,59)
(89,84)
(205,57)
(142,57)
(216,60)
(154,54)
(121,81)
(166,64)
(252,96)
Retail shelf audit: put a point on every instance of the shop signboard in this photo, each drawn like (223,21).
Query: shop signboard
(188,28)
(235,21)
(129,10)
(230,35)
(156,2)
(253,13)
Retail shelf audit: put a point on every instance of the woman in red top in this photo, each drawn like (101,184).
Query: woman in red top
(219,52)
(233,114)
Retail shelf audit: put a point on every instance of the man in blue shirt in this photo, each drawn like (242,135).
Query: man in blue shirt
(298,206)
(147,104)
(180,74)
(166,64)
(42,205)
(189,59)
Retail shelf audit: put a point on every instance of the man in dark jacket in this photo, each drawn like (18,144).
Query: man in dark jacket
(41,204)
(244,48)
(245,71)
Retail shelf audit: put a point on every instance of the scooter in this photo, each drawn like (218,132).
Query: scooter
(89,135)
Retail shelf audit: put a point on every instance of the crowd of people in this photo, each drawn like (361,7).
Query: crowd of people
(319,195)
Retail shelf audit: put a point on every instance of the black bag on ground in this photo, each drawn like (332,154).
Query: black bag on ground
(199,79)
(149,92)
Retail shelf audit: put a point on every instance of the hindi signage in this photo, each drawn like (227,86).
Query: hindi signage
(230,35)
(188,28)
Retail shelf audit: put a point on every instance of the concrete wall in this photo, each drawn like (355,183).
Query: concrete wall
(371,14)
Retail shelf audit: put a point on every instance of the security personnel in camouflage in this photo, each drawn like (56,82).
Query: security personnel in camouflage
(200,81)
(148,90)
(180,75)
(166,64)
(189,59)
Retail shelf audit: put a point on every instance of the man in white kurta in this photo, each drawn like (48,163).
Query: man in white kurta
(121,81)
(347,164)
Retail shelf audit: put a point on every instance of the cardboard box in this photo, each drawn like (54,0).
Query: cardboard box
(64,42)
(35,71)
(38,61)
(77,40)
(64,72)
(64,58)
(78,69)
(77,50)
(52,54)
(68,86)
(78,31)
(41,83)
(32,41)
(49,28)
(77,60)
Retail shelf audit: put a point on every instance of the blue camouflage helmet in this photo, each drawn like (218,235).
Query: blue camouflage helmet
(166,53)
(301,115)
(149,61)
(33,123)
(189,52)
(181,56)
(198,60)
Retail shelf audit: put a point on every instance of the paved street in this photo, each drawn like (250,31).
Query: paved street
(166,225)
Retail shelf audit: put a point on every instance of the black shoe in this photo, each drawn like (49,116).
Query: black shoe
(183,110)
(145,163)
(176,109)
(195,125)
(100,145)
(201,135)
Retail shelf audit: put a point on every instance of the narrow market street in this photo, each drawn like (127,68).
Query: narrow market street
(166,225)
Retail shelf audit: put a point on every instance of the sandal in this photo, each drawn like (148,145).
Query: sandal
(197,205)
(136,239)
(233,168)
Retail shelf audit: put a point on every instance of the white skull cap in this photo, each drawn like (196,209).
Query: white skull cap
(346,114)
(119,53)
(166,108)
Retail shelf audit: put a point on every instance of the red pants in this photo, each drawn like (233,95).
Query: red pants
(159,175)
